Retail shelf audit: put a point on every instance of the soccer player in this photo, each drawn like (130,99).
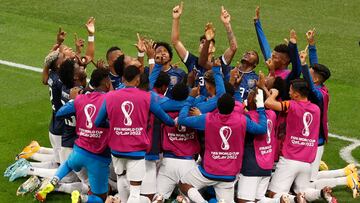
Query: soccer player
(112,55)
(258,158)
(300,144)
(90,149)
(278,60)
(190,60)
(180,144)
(128,123)
(224,141)
(163,56)
(319,95)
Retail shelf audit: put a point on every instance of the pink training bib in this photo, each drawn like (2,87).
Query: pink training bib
(302,131)
(224,143)
(180,140)
(128,112)
(264,145)
(324,121)
(91,138)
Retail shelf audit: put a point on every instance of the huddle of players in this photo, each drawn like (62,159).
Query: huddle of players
(160,128)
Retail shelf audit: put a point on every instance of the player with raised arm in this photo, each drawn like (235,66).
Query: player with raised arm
(222,159)
(190,60)
(319,95)
(276,61)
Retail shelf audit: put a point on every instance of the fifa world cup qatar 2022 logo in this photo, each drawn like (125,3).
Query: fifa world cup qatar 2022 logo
(225,134)
(269,129)
(89,111)
(307,120)
(127,107)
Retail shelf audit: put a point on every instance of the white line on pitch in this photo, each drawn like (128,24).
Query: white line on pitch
(22,66)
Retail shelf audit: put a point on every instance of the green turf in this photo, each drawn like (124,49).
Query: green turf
(28,28)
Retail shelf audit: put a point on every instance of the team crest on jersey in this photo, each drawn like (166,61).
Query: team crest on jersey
(307,120)
(225,134)
(173,80)
(127,108)
(89,111)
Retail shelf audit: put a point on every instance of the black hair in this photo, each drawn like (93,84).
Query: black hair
(163,79)
(180,92)
(66,73)
(119,65)
(202,37)
(97,76)
(111,49)
(226,104)
(130,73)
(322,70)
(283,88)
(229,88)
(301,86)
(167,47)
(283,48)
(144,82)
(209,77)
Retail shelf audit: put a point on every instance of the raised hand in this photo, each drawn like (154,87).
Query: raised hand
(310,36)
(150,48)
(209,31)
(90,26)
(270,64)
(177,10)
(60,37)
(261,83)
(140,45)
(79,43)
(293,37)
(303,55)
(257,13)
(225,16)
(101,64)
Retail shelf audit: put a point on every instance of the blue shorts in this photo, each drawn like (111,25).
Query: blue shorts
(97,168)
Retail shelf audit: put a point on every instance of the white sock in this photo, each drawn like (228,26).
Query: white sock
(312,194)
(42,172)
(144,199)
(46,164)
(134,196)
(195,196)
(42,157)
(46,150)
(331,174)
(69,187)
(331,182)
(123,188)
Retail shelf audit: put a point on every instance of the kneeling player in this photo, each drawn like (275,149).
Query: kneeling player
(90,149)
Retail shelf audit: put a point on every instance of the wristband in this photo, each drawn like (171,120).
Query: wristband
(141,54)
(91,38)
(151,61)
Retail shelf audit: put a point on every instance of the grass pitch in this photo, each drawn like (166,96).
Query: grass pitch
(28,30)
